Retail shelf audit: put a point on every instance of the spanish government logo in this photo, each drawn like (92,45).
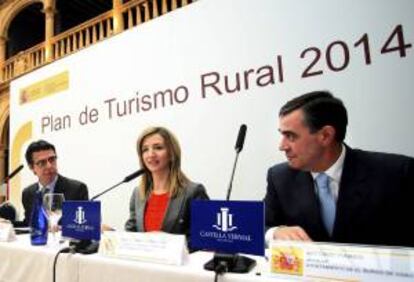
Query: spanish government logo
(287,260)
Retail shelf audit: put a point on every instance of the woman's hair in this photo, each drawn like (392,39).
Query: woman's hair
(176,178)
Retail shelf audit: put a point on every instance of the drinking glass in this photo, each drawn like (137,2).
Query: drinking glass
(52,203)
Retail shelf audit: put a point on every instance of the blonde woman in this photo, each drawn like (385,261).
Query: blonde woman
(162,202)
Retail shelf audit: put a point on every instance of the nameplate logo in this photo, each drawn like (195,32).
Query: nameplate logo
(224,221)
(81,220)
(228,226)
(80,216)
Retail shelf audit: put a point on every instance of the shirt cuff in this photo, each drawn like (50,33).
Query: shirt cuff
(269,234)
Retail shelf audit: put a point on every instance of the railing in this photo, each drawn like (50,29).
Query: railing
(25,61)
(83,35)
(88,33)
(137,12)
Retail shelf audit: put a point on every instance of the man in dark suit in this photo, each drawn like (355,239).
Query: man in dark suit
(368,196)
(42,160)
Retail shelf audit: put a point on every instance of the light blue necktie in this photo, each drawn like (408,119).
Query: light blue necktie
(327,201)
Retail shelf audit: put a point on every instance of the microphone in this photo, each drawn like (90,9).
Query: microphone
(126,179)
(238,147)
(133,175)
(14,172)
(223,262)
(240,138)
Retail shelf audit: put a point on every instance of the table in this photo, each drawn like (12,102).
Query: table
(19,261)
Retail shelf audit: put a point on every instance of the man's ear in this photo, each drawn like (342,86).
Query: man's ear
(327,134)
(32,169)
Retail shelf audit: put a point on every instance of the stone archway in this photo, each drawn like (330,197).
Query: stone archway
(7,15)
(11,11)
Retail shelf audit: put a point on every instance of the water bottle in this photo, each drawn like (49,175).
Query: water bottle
(39,222)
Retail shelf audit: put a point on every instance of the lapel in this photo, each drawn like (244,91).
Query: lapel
(140,208)
(32,193)
(352,192)
(59,186)
(173,212)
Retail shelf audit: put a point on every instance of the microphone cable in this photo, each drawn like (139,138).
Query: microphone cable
(220,269)
(70,249)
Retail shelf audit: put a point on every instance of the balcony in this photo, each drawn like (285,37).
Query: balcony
(124,17)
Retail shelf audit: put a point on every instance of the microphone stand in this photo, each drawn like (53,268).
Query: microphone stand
(126,179)
(232,176)
(107,190)
(89,246)
(223,262)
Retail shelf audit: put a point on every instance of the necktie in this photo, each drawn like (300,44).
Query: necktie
(45,190)
(327,201)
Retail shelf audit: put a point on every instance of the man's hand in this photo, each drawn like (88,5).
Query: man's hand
(294,233)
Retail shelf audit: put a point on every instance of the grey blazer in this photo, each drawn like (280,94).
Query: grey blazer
(177,216)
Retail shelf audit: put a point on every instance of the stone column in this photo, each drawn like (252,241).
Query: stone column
(49,10)
(117,16)
(3,41)
(3,191)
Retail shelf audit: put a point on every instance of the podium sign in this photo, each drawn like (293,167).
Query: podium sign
(81,220)
(311,261)
(228,226)
(156,247)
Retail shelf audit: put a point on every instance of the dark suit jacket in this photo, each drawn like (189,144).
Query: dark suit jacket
(177,216)
(71,189)
(375,200)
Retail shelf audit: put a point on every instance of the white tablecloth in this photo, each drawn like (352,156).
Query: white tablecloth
(19,261)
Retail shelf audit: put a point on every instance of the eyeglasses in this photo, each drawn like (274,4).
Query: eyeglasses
(43,163)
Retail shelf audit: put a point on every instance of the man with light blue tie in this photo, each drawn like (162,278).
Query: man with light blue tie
(330,192)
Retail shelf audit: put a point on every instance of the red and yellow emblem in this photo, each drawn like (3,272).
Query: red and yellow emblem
(44,88)
(287,260)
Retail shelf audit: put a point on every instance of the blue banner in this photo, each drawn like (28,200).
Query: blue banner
(81,220)
(228,226)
